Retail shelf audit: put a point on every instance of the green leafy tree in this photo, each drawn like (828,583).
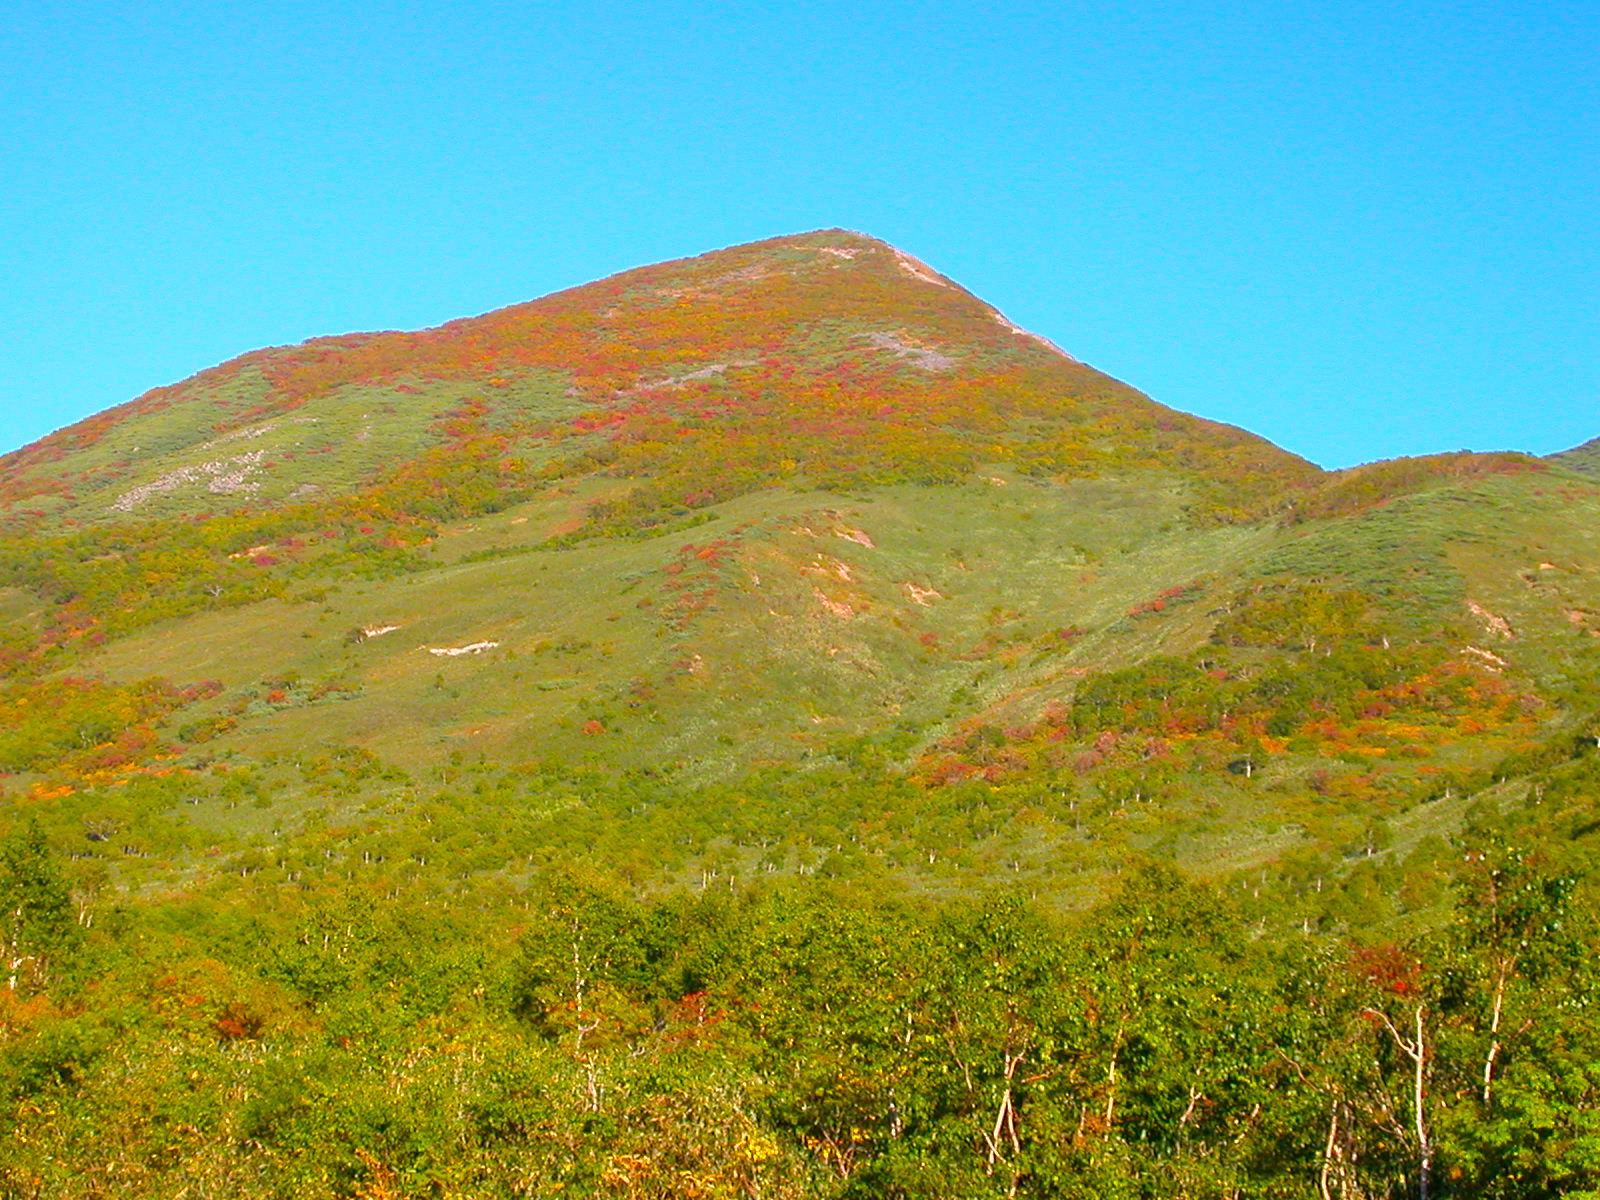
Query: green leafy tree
(38,925)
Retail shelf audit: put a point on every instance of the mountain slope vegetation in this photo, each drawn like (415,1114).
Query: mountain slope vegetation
(765,725)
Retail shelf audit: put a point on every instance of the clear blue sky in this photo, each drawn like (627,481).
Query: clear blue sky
(1361,229)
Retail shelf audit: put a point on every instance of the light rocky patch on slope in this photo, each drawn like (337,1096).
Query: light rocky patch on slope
(710,371)
(831,567)
(1492,660)
(222,477)
(917,269)
(925,357)
(458,651)
(1013,327)
(1492,623)
(839,608)
(240,435)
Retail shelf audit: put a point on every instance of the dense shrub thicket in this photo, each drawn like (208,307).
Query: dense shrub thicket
(568,1037)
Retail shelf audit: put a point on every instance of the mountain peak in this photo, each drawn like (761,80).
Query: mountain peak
(832,249)
(819,358)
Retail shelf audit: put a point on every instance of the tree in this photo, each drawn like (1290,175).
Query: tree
(38,928)
(1516,995)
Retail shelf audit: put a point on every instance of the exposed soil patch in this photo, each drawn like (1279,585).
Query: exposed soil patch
(838,608)
(1492,623)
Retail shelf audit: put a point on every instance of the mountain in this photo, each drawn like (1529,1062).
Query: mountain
(745,510)
(747,389)
(793,565)
(827,358)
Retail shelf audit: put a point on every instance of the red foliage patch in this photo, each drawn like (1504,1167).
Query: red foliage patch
(1388,968)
